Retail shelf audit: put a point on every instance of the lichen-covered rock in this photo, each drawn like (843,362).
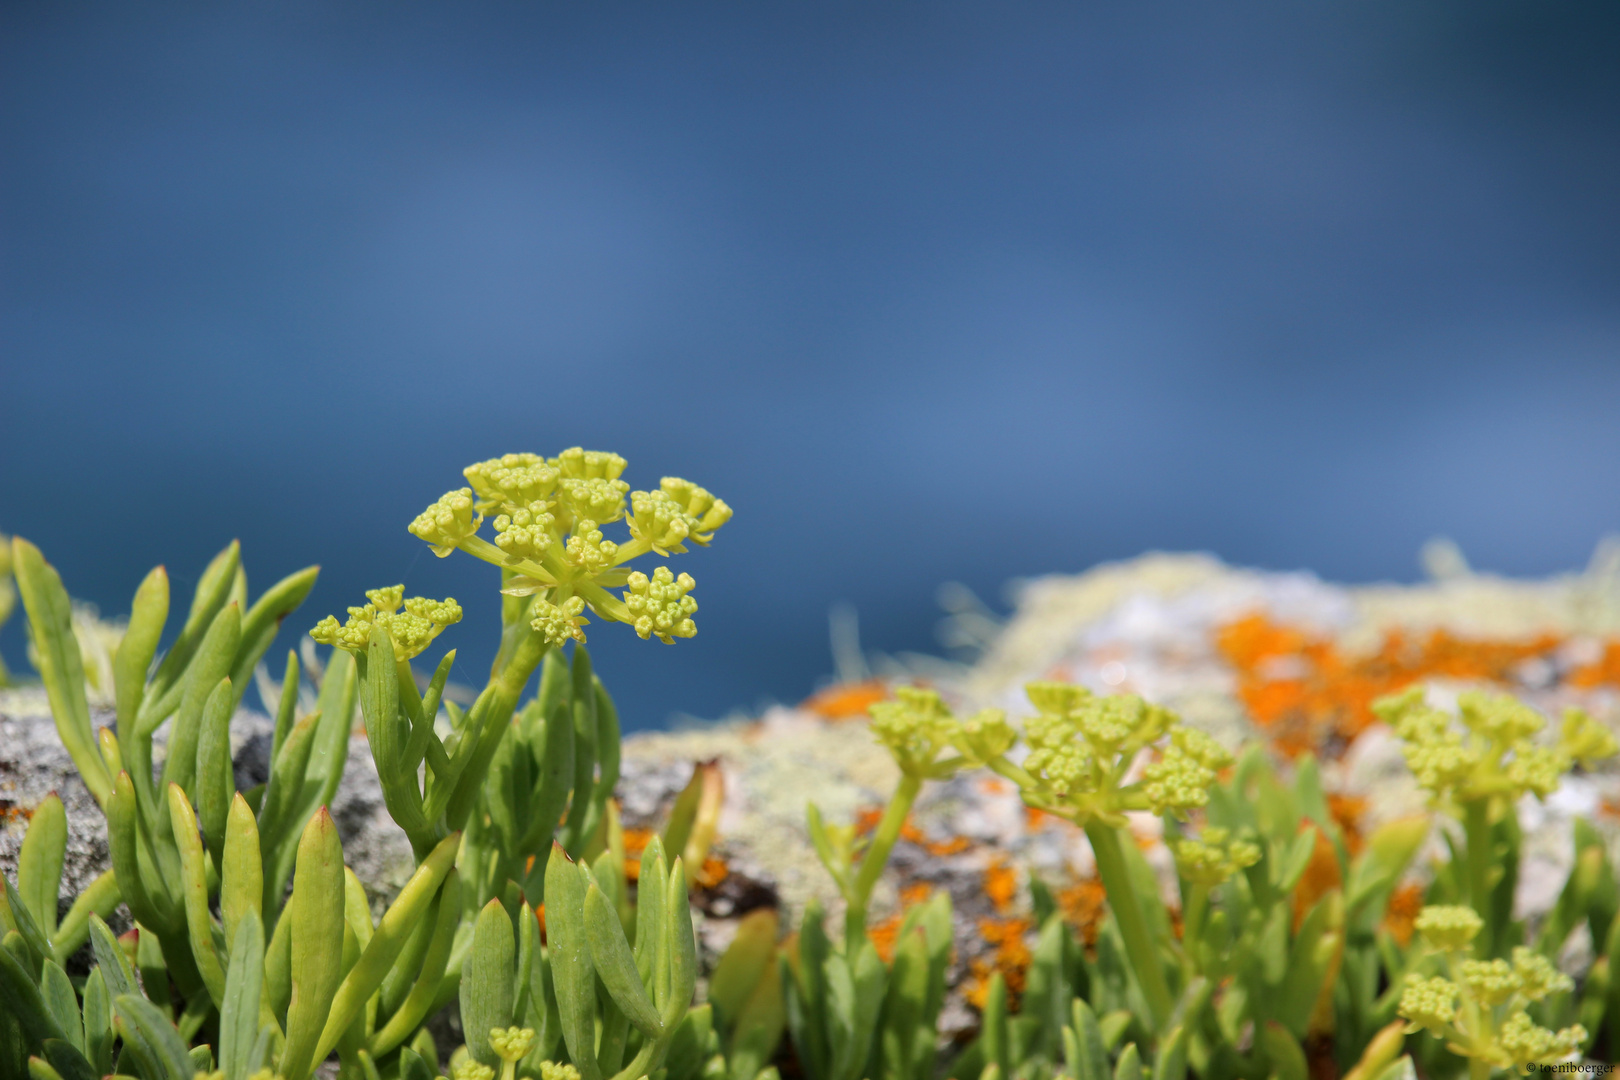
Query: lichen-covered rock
(1159,626)
(34,763)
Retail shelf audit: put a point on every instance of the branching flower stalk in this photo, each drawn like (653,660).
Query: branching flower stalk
(1477,773)
(919,731)
(1206,862)
(548,518)
(1478,1006)
(1083,752)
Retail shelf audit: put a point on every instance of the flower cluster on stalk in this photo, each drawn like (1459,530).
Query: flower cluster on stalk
(1493,754)
(548,515)
(1479,1006)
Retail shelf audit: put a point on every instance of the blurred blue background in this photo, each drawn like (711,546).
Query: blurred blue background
(926,291)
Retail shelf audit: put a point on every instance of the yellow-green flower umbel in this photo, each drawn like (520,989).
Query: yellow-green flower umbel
(548,517)
(1214,856)
(411,630)
(1082,766)
(1082,748)
(1478,768)
(1479,1006)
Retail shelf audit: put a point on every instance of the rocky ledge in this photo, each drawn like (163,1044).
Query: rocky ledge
(1283,658)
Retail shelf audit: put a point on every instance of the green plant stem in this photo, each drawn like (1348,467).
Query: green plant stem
(1478,1070)
(876,857)
(1144,957)
(1193,911)
(1477,832)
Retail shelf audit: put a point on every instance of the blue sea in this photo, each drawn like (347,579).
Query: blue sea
(927,292)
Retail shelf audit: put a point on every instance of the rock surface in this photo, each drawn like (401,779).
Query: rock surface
(1150,626)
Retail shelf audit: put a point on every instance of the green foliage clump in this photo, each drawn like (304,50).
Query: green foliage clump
(256,955)
(257,952)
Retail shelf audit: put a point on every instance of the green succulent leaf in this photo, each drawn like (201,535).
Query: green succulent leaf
(241,888)
(1171,1062)
(213,592)
(487,982)
(124,844)
(211,664)
(39,863)
(111,960)
(411,1066)
(101,897)
(263,619)
(50,617)
(420,1000)
(62,1003)
(215,782)
(99,1033)
(389,938)
(67,1062)
(23,921)
(144,1027)
(616,965)
(239,1014)
(1129,1065)
(194,883)
(315,916)
(572,972)
(1090,1054)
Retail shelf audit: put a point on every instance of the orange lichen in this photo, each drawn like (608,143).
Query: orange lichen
(1310,696)
(1000,883)
(866,820)
(882,934)
(635,842)
(713,871)
(1347,811)
(915,893)
(1404,904)
(1011,958)
(1604,670)
(1083,906)
(846,701)
(885,933)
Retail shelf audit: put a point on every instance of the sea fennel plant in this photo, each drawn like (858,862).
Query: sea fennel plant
(1476,771)
(198,862)
(850,1015)
(256,953)
(1250,974)
(194,690)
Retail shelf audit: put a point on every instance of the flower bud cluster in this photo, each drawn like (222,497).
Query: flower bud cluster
(548,516)
(1214,856)
(558,623)
(448,522)
(1479,1006)
(1082,748)
(660,604)
(411,630)
(511,1044)
(1493,752)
